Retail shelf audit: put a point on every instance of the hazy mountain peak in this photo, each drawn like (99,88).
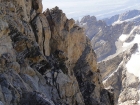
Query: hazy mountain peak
(131,15)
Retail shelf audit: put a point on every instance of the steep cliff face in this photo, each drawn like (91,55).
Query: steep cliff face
(45,59)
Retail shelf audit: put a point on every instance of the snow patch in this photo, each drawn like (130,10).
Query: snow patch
(132,19)
(136,40)
(133,65)
(117,22)
(126,44)
(127,20)
(123,37)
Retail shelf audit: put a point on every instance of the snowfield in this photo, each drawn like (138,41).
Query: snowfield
(123,37)
(133,65)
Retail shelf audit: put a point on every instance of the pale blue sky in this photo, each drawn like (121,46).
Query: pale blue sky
(99,8)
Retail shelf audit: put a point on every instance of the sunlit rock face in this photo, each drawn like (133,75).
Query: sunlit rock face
(45,59)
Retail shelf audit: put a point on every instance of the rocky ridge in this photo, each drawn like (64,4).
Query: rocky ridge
(45,59)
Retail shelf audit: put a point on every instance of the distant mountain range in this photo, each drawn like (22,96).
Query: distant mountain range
(116,41)
(132,15)
(102,36)
(101,31)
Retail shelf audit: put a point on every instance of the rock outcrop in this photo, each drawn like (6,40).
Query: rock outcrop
(45,59)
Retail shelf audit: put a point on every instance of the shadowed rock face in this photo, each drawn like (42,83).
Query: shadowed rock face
(40,56)
(86,78)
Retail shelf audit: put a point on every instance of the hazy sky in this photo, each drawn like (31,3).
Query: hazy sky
(99,8)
